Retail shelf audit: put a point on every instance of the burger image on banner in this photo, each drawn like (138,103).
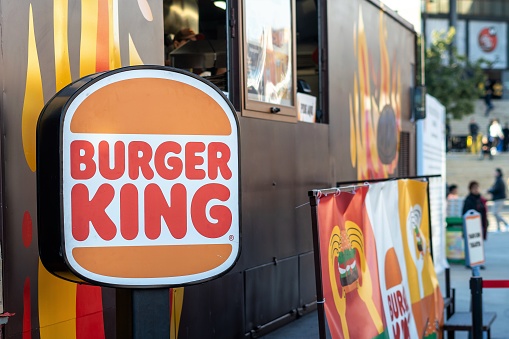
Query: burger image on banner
(400,320)
(347,263)
(138,180)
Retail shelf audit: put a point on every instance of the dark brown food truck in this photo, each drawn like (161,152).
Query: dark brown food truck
(322,91)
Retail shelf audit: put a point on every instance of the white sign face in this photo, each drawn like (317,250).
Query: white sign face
(306,105)
(475,242)
(488,40)
(150,180)
(431,161)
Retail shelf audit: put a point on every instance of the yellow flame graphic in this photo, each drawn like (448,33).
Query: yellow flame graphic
(57,306)
(176,311)
(88,44)
(34,97)
(114,35)
(366,107)
(62,64)
(56,297)
(134,56)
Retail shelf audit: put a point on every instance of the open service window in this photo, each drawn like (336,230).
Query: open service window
(269,59)
(196,38)
(311,65)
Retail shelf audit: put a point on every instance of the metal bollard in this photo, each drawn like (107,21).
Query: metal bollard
(476,293)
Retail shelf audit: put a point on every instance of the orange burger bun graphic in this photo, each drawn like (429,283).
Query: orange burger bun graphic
(393,276)
(99,113)
(148,158)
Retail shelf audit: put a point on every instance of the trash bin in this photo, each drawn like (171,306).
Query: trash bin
(455,245)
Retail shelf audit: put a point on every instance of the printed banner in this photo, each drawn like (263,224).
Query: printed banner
(383,210)
(349,267)
(376,262)
(426,298)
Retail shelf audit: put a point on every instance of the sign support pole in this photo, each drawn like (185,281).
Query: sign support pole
(476,296)
(320,301)
(143,313)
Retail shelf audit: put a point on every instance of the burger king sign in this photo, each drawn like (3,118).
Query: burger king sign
(138,179)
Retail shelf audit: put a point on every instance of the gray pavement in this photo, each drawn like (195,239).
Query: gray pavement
(494,300)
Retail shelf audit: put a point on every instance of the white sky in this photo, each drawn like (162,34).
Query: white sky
(410,10)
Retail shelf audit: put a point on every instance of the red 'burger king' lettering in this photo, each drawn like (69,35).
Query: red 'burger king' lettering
(222,214)
(104,160)
(193,160)
(219,155)
(86,211)
(129,212)
(82,153)
(175,214)
(139,155)
(170,168)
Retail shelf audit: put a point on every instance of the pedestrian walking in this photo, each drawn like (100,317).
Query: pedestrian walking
(495,134)
(505,131)
(498,194)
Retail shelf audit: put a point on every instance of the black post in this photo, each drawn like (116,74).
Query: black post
(453,19)
(476,292)
(430,228)
(320,302)
(143,313)
(447,282)
(448,289)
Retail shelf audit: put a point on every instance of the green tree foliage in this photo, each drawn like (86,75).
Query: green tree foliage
(454,81)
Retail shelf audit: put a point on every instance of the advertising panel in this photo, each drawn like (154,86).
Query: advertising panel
(474,239)
(488,40)
(148,192)
(376,262)
(431,161)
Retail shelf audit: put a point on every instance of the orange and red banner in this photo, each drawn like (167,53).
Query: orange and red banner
(376,264)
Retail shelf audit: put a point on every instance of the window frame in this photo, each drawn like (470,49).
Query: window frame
(259,109)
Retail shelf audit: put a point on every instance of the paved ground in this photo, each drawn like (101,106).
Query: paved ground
(495,300)
(463,167)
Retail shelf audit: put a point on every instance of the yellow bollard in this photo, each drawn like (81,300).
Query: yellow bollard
(474,144)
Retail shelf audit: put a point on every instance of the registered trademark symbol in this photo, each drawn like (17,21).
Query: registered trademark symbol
(231,237)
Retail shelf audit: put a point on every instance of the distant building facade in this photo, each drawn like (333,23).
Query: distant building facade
(481,32)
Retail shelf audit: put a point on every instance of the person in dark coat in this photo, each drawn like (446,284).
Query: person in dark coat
(498,194)
(475,201)
(505,131)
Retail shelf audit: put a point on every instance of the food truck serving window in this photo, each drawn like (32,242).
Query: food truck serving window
(269,78)
(196,38)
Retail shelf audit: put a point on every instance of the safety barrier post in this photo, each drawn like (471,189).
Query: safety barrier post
(476,293)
